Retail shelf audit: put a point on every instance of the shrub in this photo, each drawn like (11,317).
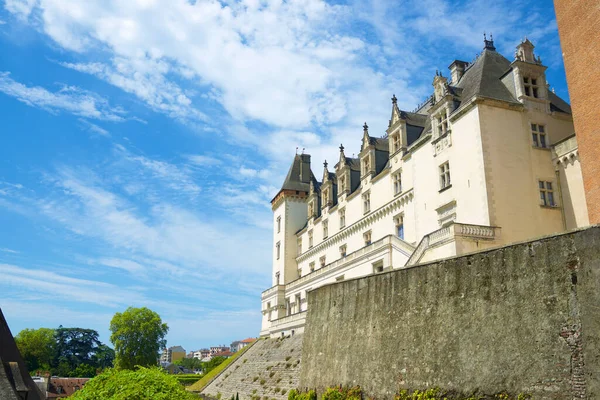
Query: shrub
(262,382)
(294,394)
(141,383)
(271,374)
(288,358)
(255,379)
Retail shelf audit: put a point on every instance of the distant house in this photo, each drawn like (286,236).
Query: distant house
(218,349)
(240,344)
(60,388)
(172,354)
(201,354)
(175,369)
(225,354)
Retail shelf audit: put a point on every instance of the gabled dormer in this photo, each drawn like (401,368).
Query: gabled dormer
(314,200)
(367,154)
(529,75)
(444,105)
(397,130)
(328,188)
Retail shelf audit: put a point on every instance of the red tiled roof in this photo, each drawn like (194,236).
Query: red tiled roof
(249,340)
(223,354)
(67,386)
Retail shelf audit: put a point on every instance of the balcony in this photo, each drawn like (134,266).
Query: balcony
(382,245)
(272,290)
(293,321)
(453,233)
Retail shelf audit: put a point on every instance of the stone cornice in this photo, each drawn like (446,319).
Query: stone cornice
(291,195)
(360,225)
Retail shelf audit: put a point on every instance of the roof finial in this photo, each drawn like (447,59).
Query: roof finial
(325,164)
(296,150)
(484,37)
(303,150)
(341,148)
(394,99)
(366,128)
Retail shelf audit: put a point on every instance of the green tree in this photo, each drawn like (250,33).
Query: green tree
(37,347)
(139,384)
(75,346)
(212,364)
(138,334)
(104,357)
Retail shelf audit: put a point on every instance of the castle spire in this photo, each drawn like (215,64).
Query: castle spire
(488,44)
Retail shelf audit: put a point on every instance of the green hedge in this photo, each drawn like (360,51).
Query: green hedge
(187,379)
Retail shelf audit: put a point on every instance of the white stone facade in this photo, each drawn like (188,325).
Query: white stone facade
(488,160)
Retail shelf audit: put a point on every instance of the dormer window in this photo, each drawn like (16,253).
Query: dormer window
(325,198)
(530,86)
(311,210)
(342,218)
(366,165)
(442,123)
(397,178)
(342,183)
(396,142)
(367,238)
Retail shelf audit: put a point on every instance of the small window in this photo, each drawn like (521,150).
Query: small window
(278,224)
(442,123)
(325,198)
(538,136)
(278,247)
(277,278)
(342,217)
(397,179)
(325,229)
(310,239)
(339,278)
(311,210)
(444,175)
(546,194)
(366,165)
(366,202)
(367,238)
(378,267)
(322,261)
(312,266)
(343,250)
(299,245)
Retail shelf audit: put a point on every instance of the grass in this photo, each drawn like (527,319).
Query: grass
(206,379)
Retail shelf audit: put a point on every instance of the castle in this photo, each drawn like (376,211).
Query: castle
(489,159)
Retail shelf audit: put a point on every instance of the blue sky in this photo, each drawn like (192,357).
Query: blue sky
(142,141)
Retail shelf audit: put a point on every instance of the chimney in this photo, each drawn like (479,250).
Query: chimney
(457,69)
(305,168)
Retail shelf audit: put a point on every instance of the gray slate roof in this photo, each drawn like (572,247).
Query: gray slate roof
(299,174)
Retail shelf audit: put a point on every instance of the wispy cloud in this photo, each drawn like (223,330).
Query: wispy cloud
(10,251)
(67,99)
(203,160)
(93,128)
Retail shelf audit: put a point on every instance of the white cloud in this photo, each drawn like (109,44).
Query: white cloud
(20,8)
(130,266)
(10,251)
(70,99)
(2,22)
(203,160)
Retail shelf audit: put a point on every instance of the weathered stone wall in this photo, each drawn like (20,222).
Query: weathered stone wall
(523,319)
(268,370)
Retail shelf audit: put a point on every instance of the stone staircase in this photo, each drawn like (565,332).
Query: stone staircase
(267,371)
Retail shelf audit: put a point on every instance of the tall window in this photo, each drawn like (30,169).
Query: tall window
(288,306)
(298,303)
(531,87)
(277,278)
(442,123)
(343,250)
(325,229)
(342,184)
(269,311)
(400,226)
(546,194)
(444,175)
(322,261)
(397,178)
(325,198)
(366,165)
(366,202)
(278,224)
(278,249)
(342,218)
(312,266)
(299,245)
(538,134)
(367,238)
(310,239)
(396,142)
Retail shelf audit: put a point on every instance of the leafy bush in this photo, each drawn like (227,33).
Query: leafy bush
(294,394)
(140,384)
(187,379)
(340,393)
(437,394)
